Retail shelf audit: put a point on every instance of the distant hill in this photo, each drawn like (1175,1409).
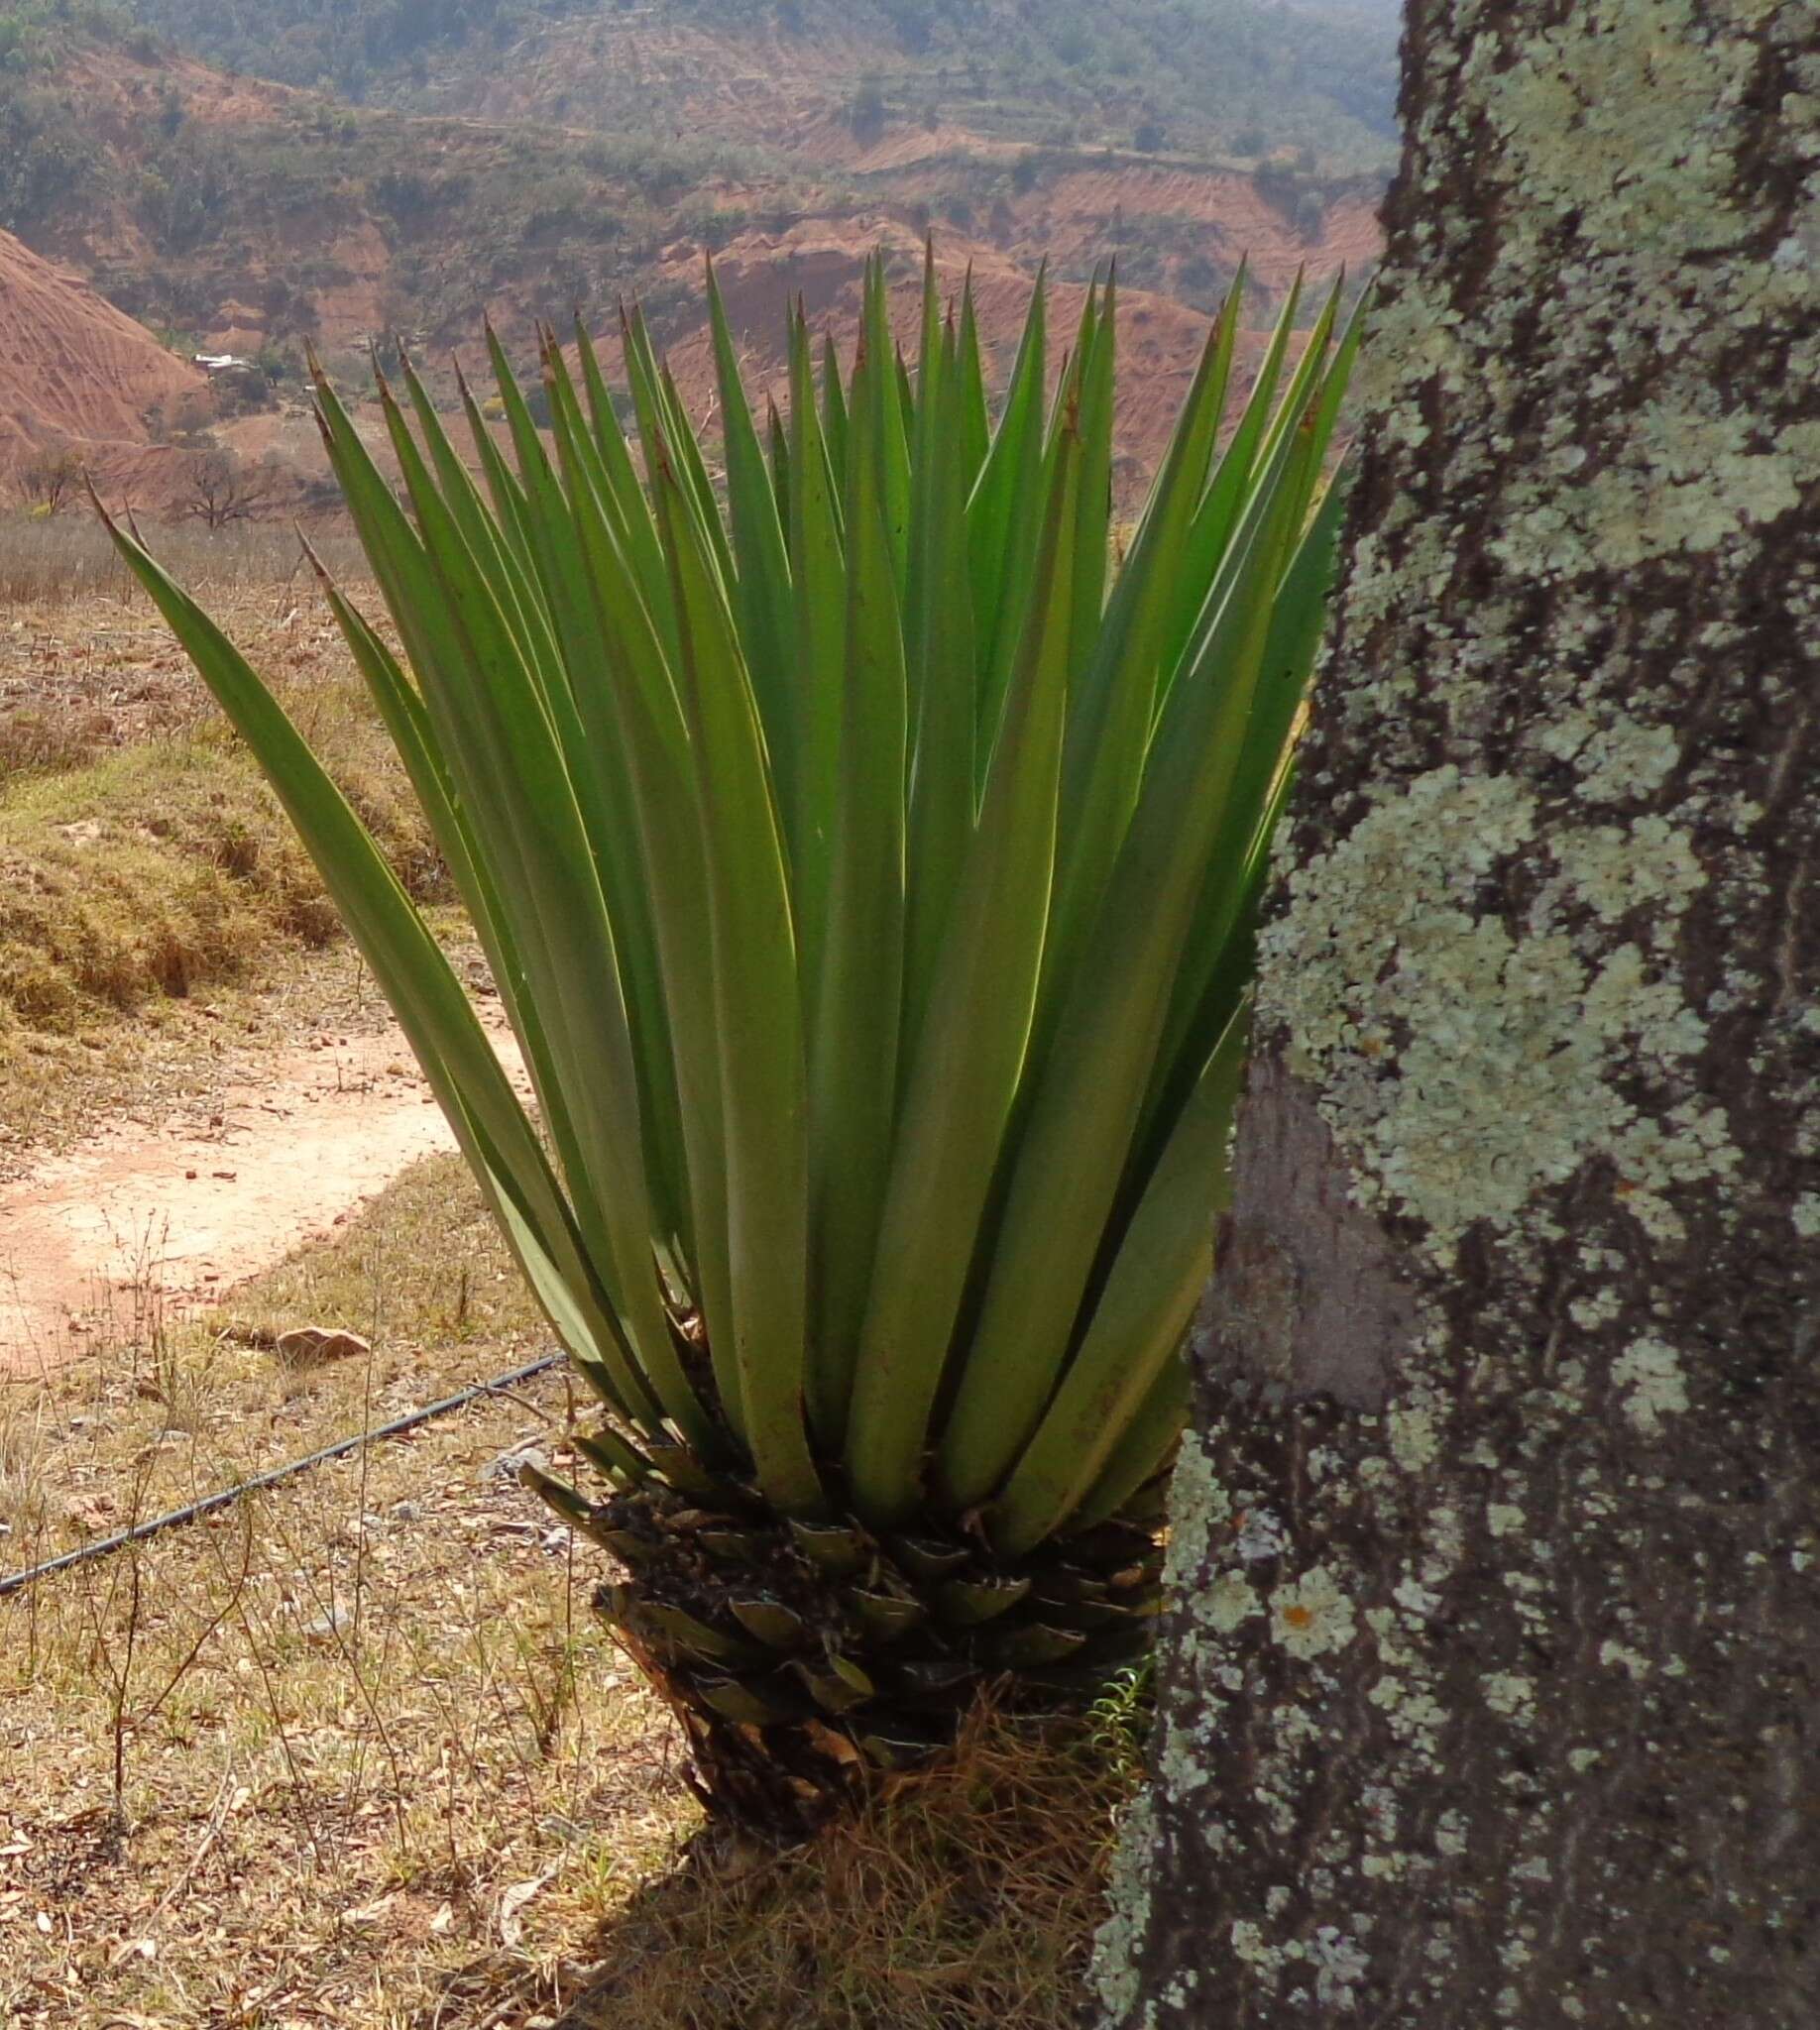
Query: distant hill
(552,157)
(1199,74)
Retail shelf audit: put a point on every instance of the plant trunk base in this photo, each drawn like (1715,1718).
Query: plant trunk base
(781,1783)
(811,1665)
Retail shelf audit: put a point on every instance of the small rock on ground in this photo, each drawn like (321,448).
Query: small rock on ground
(315,1346)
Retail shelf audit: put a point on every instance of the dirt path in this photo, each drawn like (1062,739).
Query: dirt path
(136,1217)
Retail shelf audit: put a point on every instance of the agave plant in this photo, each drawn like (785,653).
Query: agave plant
(867,869)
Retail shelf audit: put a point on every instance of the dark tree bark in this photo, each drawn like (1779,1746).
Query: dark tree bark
(1489,1691)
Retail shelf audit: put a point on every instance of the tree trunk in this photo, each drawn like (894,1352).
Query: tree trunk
(1490,1693)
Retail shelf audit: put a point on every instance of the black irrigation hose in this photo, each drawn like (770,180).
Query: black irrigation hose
(107,1545)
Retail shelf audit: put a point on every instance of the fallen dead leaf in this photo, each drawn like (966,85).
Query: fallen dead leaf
(512,1905)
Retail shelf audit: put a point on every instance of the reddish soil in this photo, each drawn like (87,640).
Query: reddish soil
(76,371)
(1078,214)
(72,366)
(759,87)
(122,91)
(139,1222)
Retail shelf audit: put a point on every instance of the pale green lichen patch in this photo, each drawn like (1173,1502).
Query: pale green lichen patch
(1202,1518)
(1614,869)
(1506,1038)
(1619,1656)
(1231,1600)
(1617,759)
(1115,1946)
(1508,1694)
(1568,118)
(1311,1615)
(1688,487)
(1655,1386)
(1415,1438)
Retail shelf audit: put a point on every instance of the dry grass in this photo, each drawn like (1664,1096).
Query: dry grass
(145,867)
(290,1766)
(163,867)
(420,1273)
(965,1900)
(356,1753)
(68,556)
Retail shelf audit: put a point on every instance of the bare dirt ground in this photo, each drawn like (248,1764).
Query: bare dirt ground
(159,1146)
(178,1213)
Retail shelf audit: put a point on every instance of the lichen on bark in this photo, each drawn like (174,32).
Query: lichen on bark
(1487,1690)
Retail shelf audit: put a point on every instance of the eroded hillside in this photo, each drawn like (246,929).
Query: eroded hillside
(583,152)
(72,366)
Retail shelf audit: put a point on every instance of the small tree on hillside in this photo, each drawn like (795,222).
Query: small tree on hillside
(223,488)
(1278,184)
(48,481)
(1310,215)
